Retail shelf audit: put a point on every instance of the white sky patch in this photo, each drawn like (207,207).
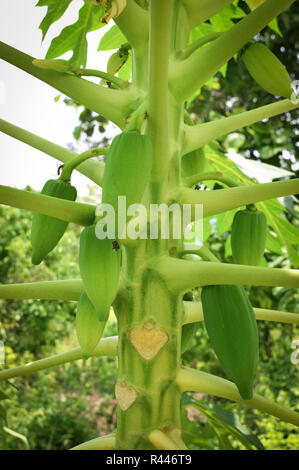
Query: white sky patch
(29,103)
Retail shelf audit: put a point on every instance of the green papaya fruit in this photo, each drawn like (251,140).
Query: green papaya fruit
(46,231)
(116,61)
(99,267)
(127,169)
(89,328)
(248,237)
(267,70)
(233,332)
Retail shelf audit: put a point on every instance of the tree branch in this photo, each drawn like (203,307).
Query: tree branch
(75,212)
(222,200)
(189,75)
(94,170)
(196,381)
(193,313)
(106,347)
(201,10)
(185,53)
(182,275)
(100,443)
(46,290)
(202,134)
(133,23)
(113,104)
(210,176)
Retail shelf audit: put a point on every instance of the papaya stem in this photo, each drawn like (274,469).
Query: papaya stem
(158,116)
(75,212)
(106,442)
(113,104)
(201,10)
(133,23)
(106,347)
(204,252)
(184,76)
(202,134)
(210,176)
(182,275)
(216,202)
(194,314)
(48,290)
(185,53)
(71,165)
(198,381)
(104,75)
(161,441)
(94,170)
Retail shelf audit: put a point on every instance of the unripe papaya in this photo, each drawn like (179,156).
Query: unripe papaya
(233,332)
(116,61)
(127,169)
(248,237)
(89,328)
(99,267)
(46,231)
(267,70)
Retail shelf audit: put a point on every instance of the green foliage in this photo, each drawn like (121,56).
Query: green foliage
(32,327)
(73,37)
(56,8)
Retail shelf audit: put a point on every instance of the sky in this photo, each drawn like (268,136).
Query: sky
(29,103)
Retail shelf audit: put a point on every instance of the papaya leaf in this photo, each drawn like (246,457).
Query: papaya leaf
(224,221)
(232,419)
(73,37)
(113,39)
(200,31)
(224,419)
(56,8)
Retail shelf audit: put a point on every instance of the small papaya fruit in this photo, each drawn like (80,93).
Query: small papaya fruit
(267,70)
(127,169)
(116,61)
(233,332)
(88,327)
(248,237)
(46,231)
(99,267)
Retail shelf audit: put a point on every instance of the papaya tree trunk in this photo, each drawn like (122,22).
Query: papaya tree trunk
(150,317)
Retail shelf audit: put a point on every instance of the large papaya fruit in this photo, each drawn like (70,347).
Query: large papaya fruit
(99,267)
(232,329)
(46,231)
(267,70)
(248,237)
(89,328)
